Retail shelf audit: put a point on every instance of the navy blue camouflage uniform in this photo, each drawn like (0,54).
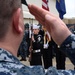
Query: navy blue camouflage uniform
(10,65)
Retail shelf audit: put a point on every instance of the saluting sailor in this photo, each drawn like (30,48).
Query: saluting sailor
(37,45)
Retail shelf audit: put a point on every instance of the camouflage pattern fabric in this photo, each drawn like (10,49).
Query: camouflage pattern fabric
(68,47)
(10,65)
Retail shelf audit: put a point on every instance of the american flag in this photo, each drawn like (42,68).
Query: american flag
(45,4)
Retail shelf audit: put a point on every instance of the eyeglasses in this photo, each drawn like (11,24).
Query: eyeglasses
(24,2)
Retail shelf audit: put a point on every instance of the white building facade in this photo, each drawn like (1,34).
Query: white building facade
(28,18)
(70,8)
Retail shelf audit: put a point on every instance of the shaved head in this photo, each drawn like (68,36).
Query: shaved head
(7,9)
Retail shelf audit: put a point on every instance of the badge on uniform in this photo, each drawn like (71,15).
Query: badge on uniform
(39,39)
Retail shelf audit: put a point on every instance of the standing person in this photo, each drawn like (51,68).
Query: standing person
(47,50)
(60,59)
(60,56)
(23,48)
(27,37)
(37,44)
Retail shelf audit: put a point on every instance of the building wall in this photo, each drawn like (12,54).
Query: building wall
(28,18)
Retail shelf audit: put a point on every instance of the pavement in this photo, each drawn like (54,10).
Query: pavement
(68,63)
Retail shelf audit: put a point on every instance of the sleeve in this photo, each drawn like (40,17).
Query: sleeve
(68,47)
(54,71)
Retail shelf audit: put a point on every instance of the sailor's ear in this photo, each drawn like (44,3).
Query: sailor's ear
(16,20)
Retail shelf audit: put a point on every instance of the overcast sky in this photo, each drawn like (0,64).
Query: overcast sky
(70,8)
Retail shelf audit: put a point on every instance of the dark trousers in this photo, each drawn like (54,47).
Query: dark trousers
(36,59)
(60,59)
(47,57)
(23,54)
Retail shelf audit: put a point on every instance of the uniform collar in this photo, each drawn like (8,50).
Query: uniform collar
(7,56)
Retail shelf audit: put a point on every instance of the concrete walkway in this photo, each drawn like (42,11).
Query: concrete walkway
(69,65)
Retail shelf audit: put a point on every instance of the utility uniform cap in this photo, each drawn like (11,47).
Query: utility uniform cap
(24,2)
